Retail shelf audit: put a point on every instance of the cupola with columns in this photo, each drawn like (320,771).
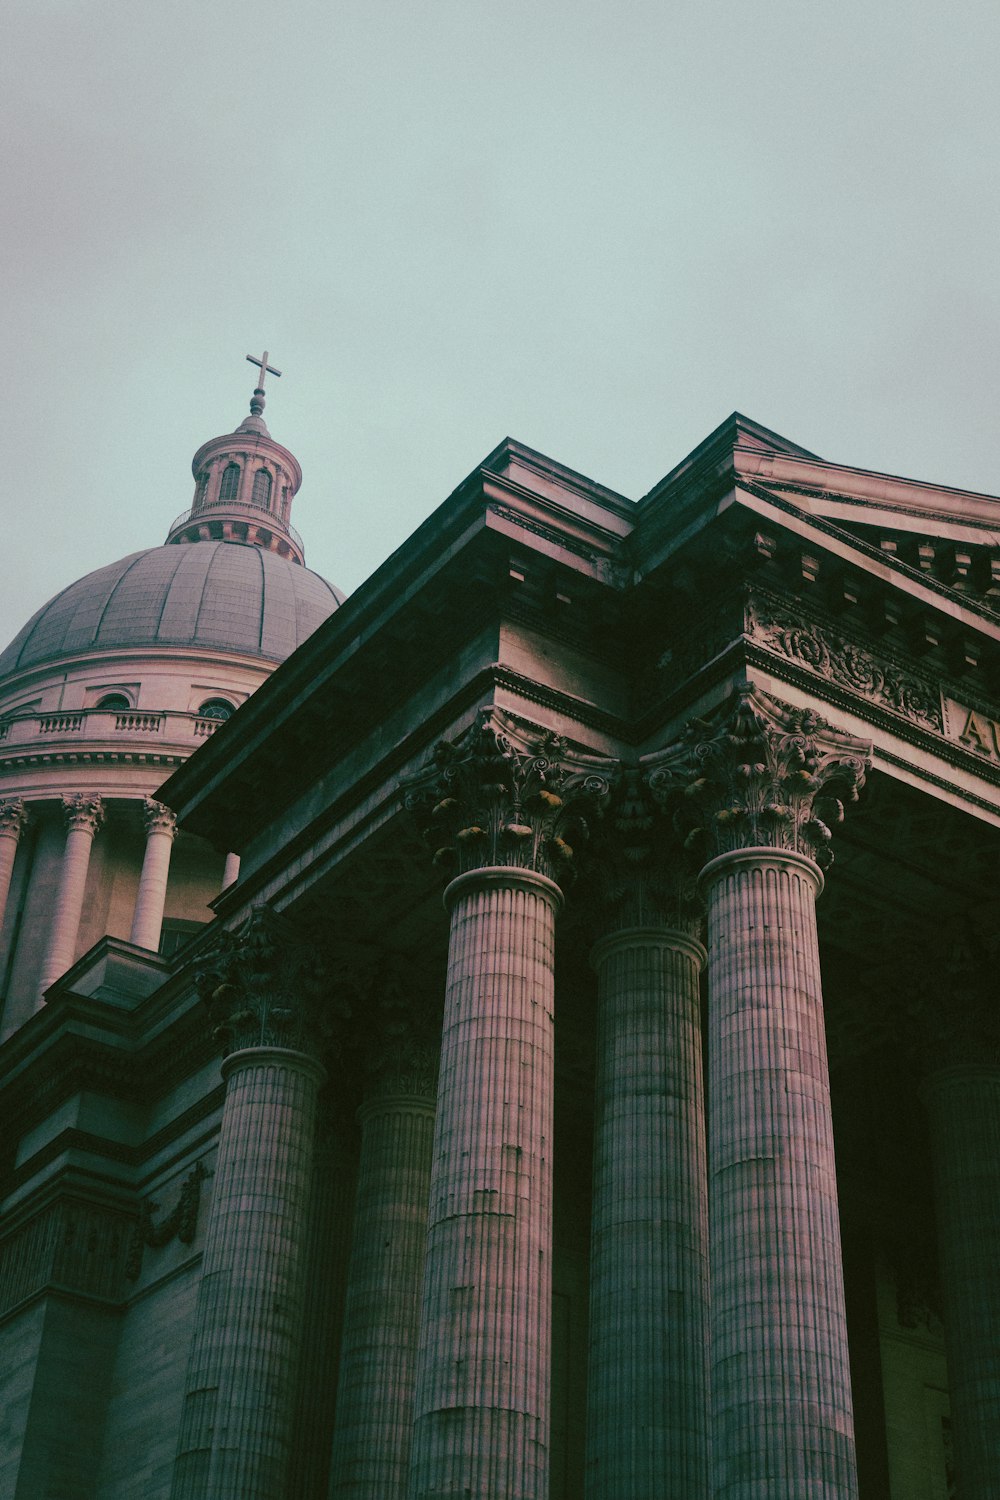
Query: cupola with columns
(245,483)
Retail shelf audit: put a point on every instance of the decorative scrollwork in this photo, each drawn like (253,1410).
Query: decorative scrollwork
(760,774)
(181,1222)
(265,987)
(846,663)
(506,793)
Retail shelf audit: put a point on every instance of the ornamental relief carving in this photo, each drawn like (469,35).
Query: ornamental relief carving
(843,662)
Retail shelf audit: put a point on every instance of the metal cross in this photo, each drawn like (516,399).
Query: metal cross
(265,368)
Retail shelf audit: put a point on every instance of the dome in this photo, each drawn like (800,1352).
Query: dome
(226,596)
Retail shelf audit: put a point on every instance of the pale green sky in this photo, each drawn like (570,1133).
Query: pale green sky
(597,228)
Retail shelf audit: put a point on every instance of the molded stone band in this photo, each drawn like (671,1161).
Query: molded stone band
(723,864)
(509,878)
(255,1057)
(635,937)
(395,1104)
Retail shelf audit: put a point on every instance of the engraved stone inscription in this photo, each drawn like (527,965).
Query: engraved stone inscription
(972,728)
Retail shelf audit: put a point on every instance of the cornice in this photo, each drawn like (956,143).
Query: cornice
(891,565)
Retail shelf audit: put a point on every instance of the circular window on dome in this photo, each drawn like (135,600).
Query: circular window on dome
(114,703)
(216,708)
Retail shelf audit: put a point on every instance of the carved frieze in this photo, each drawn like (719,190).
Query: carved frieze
(508,793)
(77,1246)
(843,661)
(759,774)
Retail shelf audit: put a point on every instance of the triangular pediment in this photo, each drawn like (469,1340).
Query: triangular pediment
(947,539)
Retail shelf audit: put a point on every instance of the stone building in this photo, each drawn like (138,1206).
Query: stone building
(522,1125)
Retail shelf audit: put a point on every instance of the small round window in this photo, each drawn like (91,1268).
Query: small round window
(216,708)
(115,703)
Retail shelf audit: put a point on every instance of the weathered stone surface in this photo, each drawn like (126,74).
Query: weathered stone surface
(757,778)
(647,1423)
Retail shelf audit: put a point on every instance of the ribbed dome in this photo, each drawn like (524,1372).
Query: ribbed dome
(229,596)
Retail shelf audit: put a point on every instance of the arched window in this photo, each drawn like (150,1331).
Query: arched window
(262,488)
(216,708)
(230,482)
(115,703)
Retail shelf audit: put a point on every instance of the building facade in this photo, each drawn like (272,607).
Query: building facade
(590,1085)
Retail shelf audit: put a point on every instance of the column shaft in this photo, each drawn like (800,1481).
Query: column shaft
(69,897)
(371,1445)
(151,898)
(482,1399)
(12,819)
(964,1108)
(230,871)
(781,1379)
(647,1419)
(239,1404)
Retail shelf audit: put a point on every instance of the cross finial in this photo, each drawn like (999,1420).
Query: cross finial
(257,404)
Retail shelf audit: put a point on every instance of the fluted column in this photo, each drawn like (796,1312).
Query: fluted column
(84,813)
(151,897)
(783,1420)
(647,1383)
(960,1031)
(12,820)
(482,1397)
(238,1411)
(371,1442)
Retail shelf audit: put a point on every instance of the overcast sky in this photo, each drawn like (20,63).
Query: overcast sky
(599,228)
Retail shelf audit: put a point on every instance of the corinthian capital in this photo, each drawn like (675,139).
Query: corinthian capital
(636,873)
(158,818)
(508,793)
(13,816)
(83,810)
(265,987)
(401,1036)
(759,774)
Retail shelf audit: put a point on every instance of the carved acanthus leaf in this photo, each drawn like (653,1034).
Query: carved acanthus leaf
(508,793)
(759,774)
(158,818)
(13,816)
(266,987)
(636,872)
(83,810)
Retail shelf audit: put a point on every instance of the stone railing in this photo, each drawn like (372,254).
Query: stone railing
(109,726)
(242,510)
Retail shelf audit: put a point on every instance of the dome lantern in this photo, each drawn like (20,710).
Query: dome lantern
(245,483)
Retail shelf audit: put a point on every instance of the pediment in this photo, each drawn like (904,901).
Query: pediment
(921,538)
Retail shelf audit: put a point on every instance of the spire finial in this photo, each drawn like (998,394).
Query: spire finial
(257,400)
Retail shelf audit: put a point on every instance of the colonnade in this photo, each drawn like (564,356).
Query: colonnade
(718,1361)
(84,815)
